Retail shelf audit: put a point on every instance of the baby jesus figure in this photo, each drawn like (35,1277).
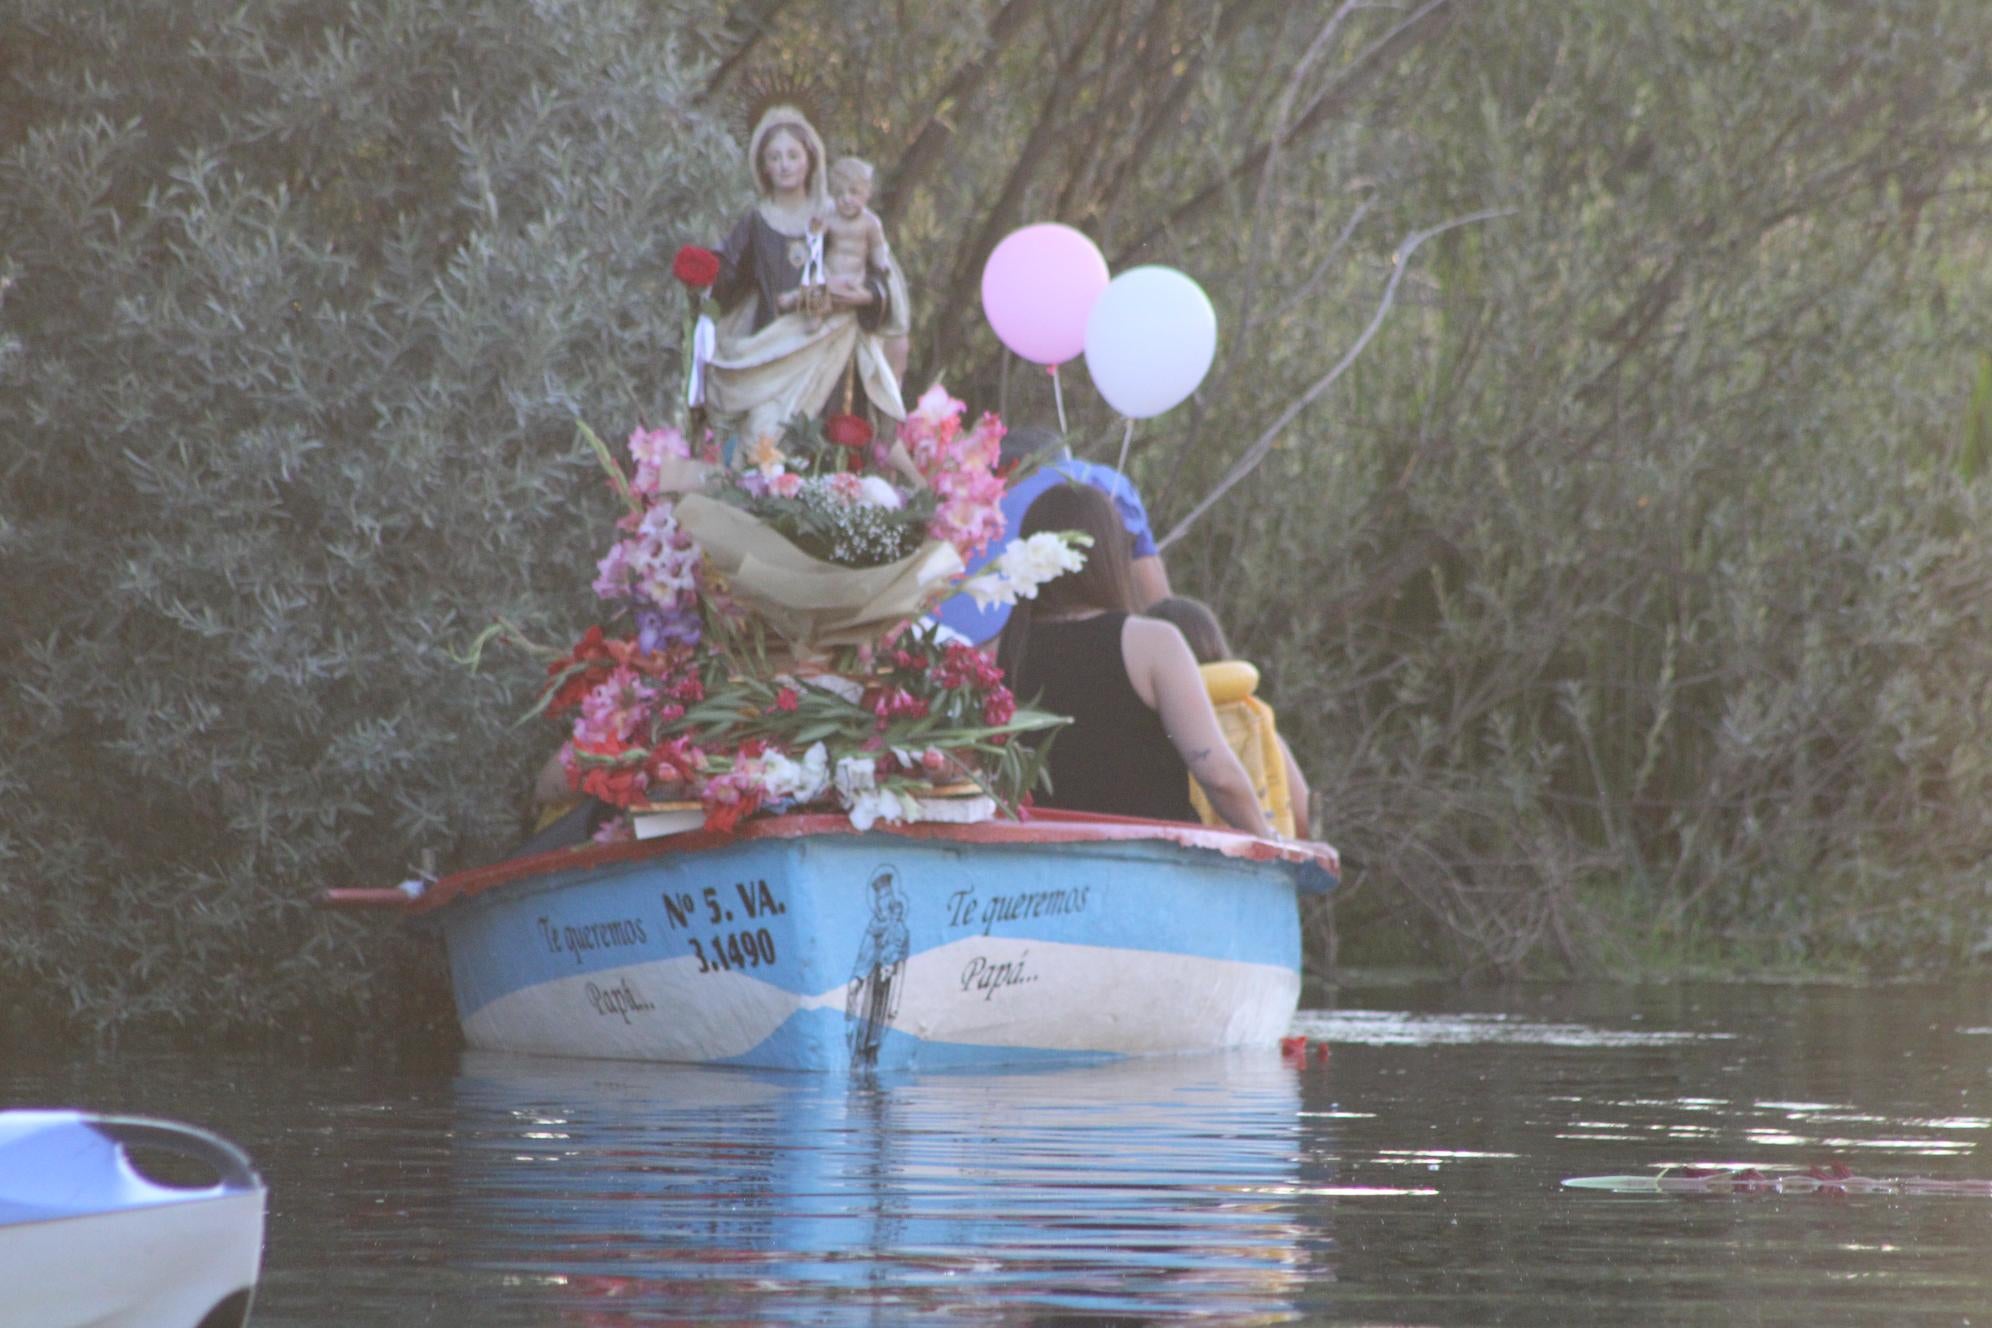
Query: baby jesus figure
(856,245)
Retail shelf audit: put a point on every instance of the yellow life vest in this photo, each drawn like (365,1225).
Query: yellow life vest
(1247,724)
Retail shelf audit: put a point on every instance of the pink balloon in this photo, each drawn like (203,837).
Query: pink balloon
(1038,287)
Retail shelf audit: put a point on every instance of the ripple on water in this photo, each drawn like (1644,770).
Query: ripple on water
(1395,1028)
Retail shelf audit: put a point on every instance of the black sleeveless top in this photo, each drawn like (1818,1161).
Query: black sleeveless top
(1115,756)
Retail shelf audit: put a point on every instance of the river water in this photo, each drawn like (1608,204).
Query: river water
(1411,1176)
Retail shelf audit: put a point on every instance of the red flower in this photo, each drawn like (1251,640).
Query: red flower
(727,803)
(965,666)
(696,267)
(848,431)
(785,701)
(610,776)
(573,692)
(577,673)
(999,707)
(674,762)
(619,786)
(890,703)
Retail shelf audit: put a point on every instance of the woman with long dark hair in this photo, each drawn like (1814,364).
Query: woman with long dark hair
(1142,722)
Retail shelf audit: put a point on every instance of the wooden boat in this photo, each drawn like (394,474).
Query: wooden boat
(798,942)
(87,1239)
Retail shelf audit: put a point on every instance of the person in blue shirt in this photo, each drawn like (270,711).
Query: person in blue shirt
(964,616)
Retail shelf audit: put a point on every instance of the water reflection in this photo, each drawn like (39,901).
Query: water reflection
(626,1192)
(1414,1177)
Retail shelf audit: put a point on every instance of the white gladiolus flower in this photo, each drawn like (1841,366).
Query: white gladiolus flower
(867,809)
(1027,564)
(888,805)
(857,787)
(855,775)
(989,591)
(1045,556)
(798,781)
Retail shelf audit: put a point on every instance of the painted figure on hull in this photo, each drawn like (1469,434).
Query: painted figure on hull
(873,996)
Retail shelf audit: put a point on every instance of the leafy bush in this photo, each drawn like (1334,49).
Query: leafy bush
(302,313)
(1627,600)
(1650,571)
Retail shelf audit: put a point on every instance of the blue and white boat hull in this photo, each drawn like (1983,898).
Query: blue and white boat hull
(801,947)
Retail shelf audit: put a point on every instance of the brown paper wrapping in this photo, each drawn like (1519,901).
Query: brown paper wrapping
(677,475)
(811,603)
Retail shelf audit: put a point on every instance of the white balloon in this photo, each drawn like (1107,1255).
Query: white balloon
(1150,340)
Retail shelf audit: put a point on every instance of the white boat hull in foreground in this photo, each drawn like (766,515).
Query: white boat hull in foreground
(86,1241)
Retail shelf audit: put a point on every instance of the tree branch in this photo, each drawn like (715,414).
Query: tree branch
(1263,444)
(1186,448)
(1120,83)
(1255,245)
(1229,23)
(1372,62)
(925,150)
(759,20)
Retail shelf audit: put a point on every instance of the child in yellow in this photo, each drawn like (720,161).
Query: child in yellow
(1248,722)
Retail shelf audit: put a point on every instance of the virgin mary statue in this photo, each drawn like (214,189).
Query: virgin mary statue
(775,358)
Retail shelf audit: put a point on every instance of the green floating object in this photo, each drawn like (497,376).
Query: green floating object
(1617,1184)
(1704,1177)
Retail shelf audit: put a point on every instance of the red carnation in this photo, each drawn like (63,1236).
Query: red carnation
(696,267)
(848,431)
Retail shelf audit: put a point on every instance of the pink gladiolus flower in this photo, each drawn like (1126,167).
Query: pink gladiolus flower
(650,448)
(611,711)
(960,467)
(935,407)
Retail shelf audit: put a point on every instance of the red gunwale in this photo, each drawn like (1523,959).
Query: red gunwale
(1039,826)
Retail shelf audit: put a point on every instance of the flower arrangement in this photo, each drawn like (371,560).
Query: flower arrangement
(767,597)
(803,488)
(716,689)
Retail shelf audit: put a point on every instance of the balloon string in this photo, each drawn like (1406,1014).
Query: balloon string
(1058,395)
(1126,438)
